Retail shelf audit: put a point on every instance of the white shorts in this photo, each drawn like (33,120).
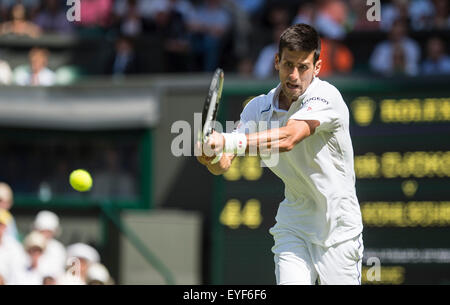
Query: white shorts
(298,262)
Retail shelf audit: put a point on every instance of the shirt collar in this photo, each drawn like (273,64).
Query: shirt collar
(313,84)
(275,100)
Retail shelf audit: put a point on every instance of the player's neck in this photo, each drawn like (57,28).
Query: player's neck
(283,102)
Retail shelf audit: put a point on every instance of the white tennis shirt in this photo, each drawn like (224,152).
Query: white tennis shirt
(320,202)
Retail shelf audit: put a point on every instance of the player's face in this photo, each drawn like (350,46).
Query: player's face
(296,70)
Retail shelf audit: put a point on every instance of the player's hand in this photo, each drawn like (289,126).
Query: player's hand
(201,156)
(204,159)
(207,152)
(215,143)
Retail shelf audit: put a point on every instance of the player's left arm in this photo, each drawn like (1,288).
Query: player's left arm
(284,138)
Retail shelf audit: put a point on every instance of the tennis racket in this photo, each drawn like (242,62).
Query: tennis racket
(211,106)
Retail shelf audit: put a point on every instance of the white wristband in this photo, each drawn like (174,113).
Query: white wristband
(235,143)
(217,158)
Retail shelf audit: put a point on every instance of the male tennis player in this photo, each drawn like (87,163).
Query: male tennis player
(318,230)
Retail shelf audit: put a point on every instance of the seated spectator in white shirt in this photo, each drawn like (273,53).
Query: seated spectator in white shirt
(12,255)
(6,202)
(97,274)
(36,73)
(34,244)
(2,281)
(382,58)
(79,257)
(437,61)
(54,255)
(5,73)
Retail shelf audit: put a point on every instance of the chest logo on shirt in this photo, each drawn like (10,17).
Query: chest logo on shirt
(312,99)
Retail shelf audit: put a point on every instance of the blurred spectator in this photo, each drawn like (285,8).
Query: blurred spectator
(52,18)
(398,60)
(97,274)
(441,20)
(172,31)
(437,61)
(131,23)
(6,202)
(398,50)
(54,255)
(81,256)
(5,73)
(358,17)
(278,15)
(239,46)
(19,25)
(331,22)
(336,58)
(49,280)
(142,7)
(112,181)
(421,13)
(95,13)
(306,13)
(184,7)
(250,7)
(135,14)
(331,19)
(124,59)
(31,6)
(34,244)
(36,73)
(265,63)
(66,75)
(209,26)
(395,10)
(12,256)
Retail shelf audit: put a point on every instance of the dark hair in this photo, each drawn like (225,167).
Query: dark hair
(300,37)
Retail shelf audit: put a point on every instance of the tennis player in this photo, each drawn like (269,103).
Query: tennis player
(318,230)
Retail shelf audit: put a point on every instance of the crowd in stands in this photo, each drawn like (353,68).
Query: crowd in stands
(157,36)
(39,258)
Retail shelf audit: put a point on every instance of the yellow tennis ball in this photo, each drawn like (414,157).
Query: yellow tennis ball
(80,180)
